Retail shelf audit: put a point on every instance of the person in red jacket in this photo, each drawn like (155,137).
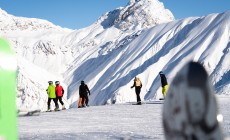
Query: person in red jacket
(59,93)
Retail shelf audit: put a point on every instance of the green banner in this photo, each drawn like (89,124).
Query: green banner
(8,111)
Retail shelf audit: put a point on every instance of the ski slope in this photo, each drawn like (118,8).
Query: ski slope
(114,122)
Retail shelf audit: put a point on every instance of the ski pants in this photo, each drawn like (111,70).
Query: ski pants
(164,90)
(85,99)
(55,102)
(59,98)
(138,91)
(80,102)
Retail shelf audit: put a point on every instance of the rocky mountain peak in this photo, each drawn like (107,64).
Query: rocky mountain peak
(138,14)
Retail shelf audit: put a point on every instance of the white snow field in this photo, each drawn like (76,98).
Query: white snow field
(109,122)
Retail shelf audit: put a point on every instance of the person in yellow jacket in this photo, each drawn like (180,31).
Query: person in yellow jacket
(138,85)
(164,83)
(51,95)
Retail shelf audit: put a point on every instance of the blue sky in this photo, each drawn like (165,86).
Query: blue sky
(76,14)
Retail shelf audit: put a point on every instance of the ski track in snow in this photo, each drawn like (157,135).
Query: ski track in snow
(122,121)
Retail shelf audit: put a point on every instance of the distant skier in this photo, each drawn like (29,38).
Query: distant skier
(164,83)
(190,109)
(83,93)
(51,95)
(138,85)
(59,93)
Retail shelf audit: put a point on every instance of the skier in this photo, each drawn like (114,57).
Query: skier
(190,108)
(164,83)
(138,85)
(51,95)
(83,93)
(59,93)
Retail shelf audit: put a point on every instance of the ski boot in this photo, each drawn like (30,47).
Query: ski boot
(139,103)
(48,110)
(63,107)
(57,108)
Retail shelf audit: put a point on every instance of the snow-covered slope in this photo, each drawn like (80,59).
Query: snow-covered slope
(164,47)
(34,39)
(96,48)
(11,23)
(40,56)
(113,122)
(139,39)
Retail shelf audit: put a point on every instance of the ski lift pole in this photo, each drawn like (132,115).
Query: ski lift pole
(8,112)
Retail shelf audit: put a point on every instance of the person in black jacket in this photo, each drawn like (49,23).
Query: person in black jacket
(138,85)
(164,83)
(83,93)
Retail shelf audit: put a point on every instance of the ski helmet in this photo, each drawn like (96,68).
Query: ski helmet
(57,82)
(50,82)
(190,108)
(161,72)
(82,82)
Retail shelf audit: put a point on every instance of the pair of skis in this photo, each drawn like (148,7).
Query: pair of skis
(55,110)
(160,101)
(22,113)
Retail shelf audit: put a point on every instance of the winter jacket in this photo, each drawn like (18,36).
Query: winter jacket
(137,83)
(59,91)
(51,91)
(83,90)
(163,80)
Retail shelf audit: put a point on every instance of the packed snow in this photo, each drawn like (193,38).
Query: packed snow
(114,122)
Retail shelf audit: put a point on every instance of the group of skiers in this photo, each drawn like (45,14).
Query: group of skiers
(138,85)
(199,103)
(55,93)
(84,91)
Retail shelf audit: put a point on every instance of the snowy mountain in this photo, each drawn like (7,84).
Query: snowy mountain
(164,47)
(12,23)
(96,49)
(37,44)
(139,39)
